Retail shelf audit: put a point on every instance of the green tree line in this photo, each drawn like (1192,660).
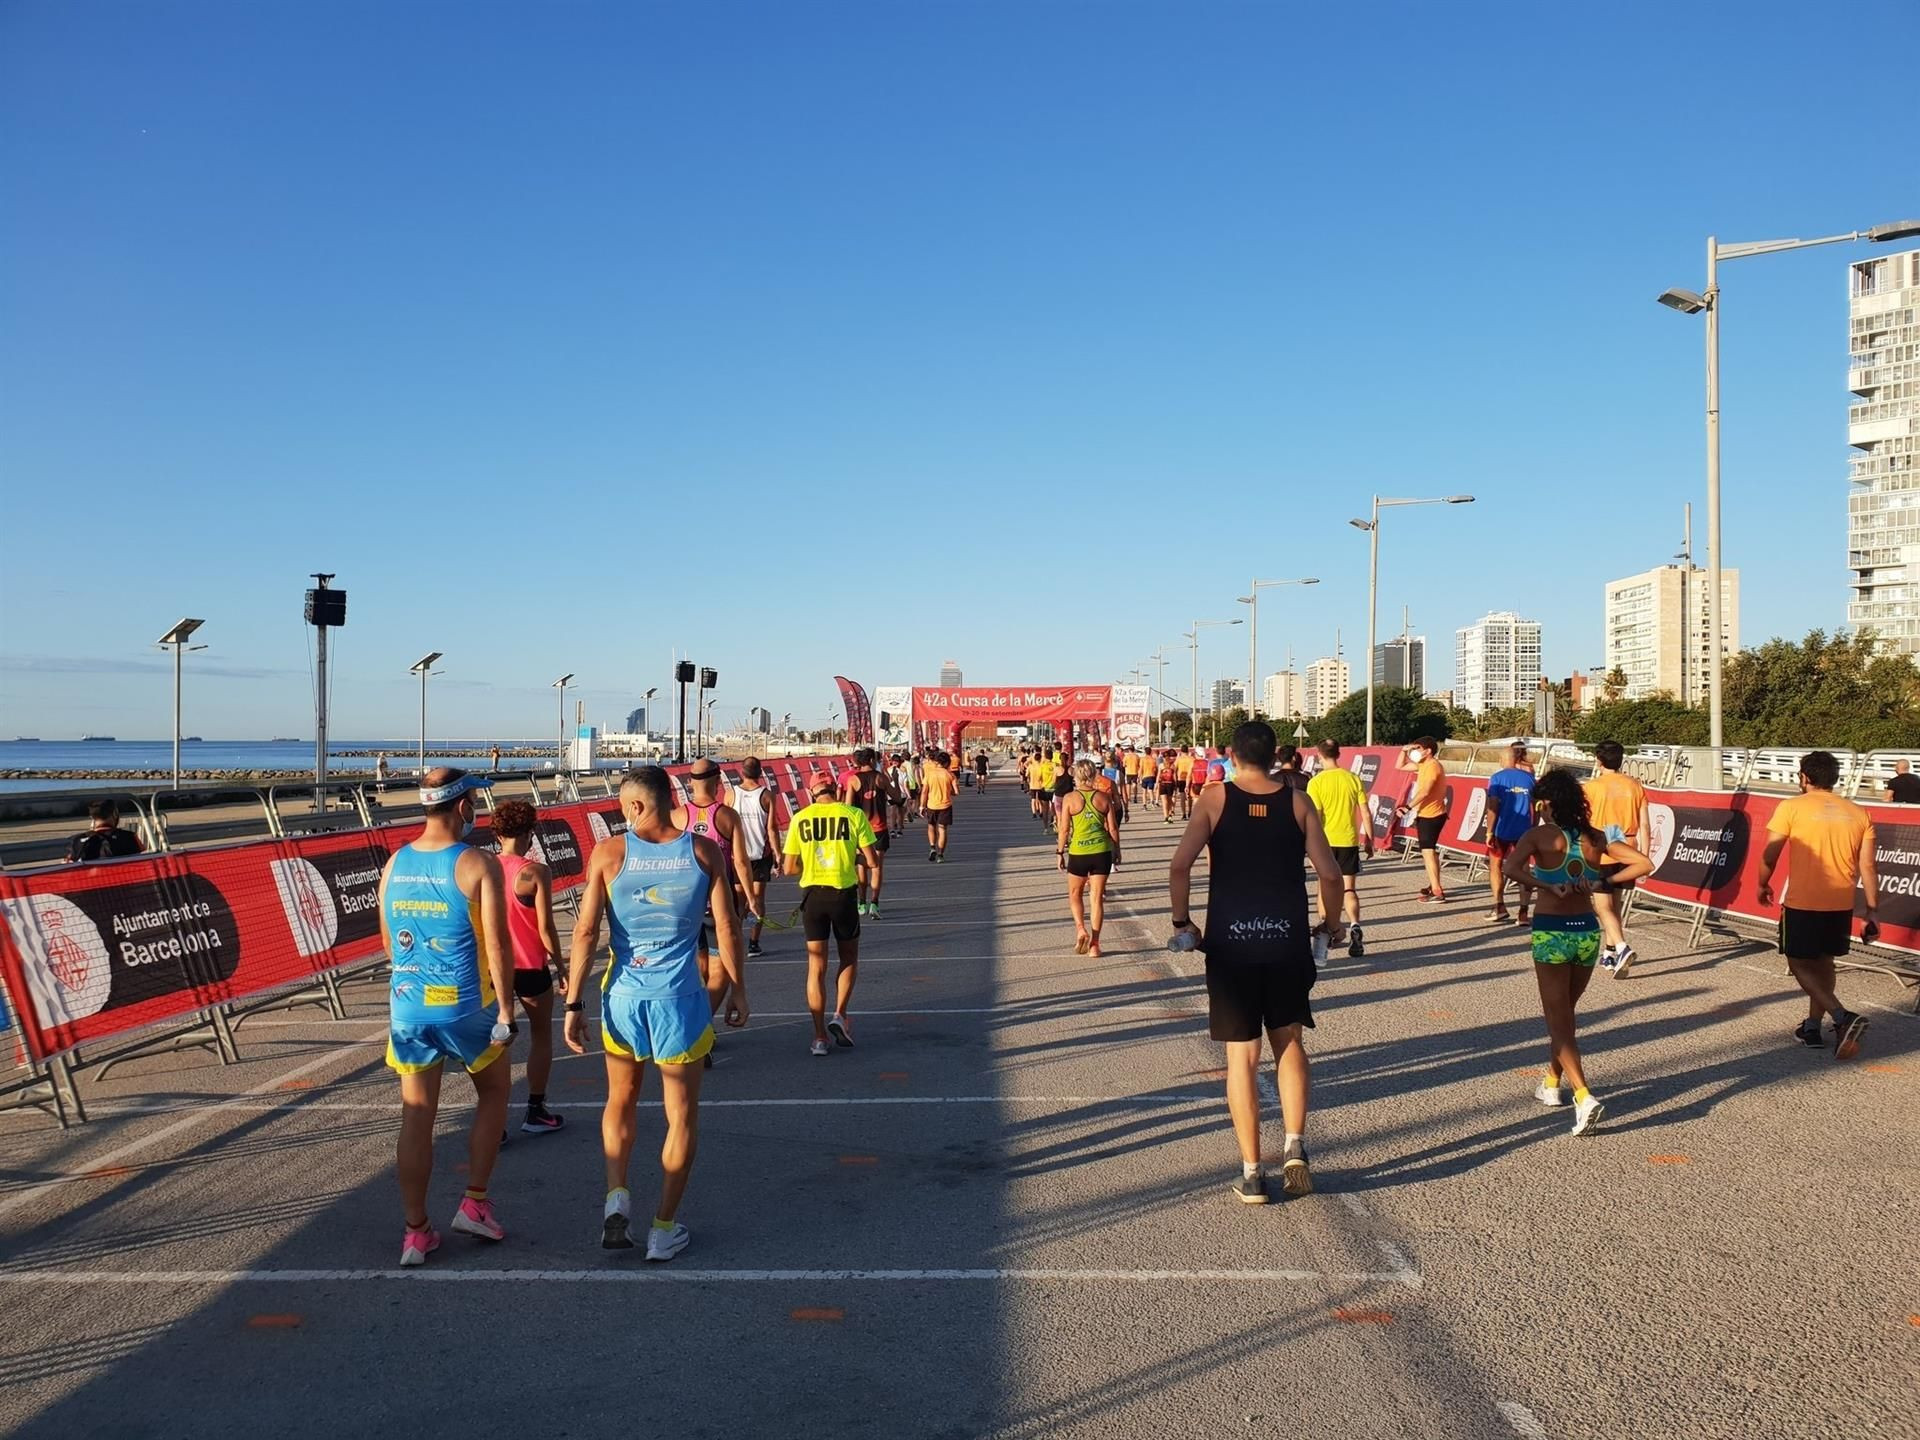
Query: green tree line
(1833,691)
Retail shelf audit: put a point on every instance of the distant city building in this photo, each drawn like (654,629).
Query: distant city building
(1329,681)
(1583,692)
(1658,634)
(950,675)
(1496,662)
(1401,661)
(760,721)
(637,720)
(1883,510)
(1442,698)
(1283,694)
(1227,694)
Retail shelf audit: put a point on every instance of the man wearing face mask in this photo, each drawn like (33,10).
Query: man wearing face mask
(443,917)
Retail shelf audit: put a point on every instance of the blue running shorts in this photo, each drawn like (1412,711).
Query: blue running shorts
(676,1030)
(467,1038)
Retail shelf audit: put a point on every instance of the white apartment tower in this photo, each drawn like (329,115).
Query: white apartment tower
(1329,681)
(1496,662)
(1282,695)
(1883,510)
(1657,630)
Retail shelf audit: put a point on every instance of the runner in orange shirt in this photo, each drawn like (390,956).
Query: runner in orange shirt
(1429,805)
(1828,843)
(937,784)
(1619,806)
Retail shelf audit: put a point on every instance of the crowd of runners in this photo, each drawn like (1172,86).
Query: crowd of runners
(683,895)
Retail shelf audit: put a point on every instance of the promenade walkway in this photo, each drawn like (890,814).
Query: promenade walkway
(1006,1214)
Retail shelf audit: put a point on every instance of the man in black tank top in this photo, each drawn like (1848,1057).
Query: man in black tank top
(1258,940)
(869,791)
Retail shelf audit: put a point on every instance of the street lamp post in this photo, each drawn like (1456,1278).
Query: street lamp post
(177,637)
(423,667)
(1193,695)
(1252,601)
(1372,527)
(1688,303)
(561,686)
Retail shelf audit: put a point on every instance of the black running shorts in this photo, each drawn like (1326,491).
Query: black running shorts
(1100,863)
(1428,828)
(532,984)
(940,817)
(1245,1001)
(1815,934)
(763,869)
(826,911)
(1347,857)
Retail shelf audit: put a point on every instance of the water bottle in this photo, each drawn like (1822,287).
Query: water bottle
(502,1032)
(1319,946)
(1183,941)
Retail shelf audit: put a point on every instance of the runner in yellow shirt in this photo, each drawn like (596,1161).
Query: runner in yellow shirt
(1342,802)
(825,844)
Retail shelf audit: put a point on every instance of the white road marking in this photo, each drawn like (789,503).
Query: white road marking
(1075,1013)
(167,1132)
(662,1275)
(1523,1420)
(1149,1102)
(1403,1270)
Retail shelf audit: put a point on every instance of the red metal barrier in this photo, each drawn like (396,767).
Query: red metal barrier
(90,951)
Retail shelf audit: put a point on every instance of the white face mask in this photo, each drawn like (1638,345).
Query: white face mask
(472,820)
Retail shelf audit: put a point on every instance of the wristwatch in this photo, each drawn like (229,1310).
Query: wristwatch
(1184,920)
(574,1006)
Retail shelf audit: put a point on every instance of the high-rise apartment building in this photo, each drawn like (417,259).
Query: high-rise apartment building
(1401,661)
(1227,694)
(1496,662)
(1883,510)
(1658,632)
(1282,695)
(1329,681)
(950,675)
(637,720)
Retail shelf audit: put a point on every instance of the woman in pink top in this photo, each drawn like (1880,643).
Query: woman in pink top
(536,948)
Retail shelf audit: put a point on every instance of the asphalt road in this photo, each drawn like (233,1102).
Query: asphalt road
(1005,1213)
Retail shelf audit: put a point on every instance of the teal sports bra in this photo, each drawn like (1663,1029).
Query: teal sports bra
(1574,869)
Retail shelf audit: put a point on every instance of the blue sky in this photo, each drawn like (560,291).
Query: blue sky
(835,337)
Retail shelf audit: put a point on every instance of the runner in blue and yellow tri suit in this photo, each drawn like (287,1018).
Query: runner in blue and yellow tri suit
(655,883)
(443,917)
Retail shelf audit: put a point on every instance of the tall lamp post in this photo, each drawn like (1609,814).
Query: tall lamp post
(423,667)
(177,637)
(1688,303)
(1193,702)
(1372,527)
(561,686)
(1252,601)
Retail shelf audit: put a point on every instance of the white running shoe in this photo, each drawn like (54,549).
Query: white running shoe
(841,1031)
(665,1244)
(819,1047)
(1552,1094)
(1587,1113)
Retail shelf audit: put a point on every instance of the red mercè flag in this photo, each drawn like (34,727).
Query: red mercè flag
(859,713)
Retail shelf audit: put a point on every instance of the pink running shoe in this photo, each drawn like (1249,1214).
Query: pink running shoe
(476,1217)
(418,1245)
